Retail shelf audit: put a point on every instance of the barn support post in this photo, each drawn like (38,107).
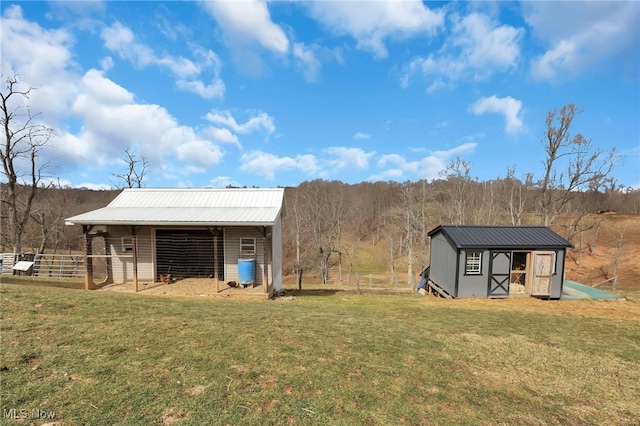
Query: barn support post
(134,243)
(107,250)
(216,277)
(265,253)
(88,259)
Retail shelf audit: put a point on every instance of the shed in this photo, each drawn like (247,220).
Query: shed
(150,234)
(497,261)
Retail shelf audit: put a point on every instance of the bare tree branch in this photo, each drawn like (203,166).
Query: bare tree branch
(20,152)
(136,171)
(571,164)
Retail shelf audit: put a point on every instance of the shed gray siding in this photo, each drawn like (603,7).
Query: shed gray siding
(443,260)
(557,280)
(473,285)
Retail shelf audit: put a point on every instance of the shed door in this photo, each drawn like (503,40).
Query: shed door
(499,272)
(542,273)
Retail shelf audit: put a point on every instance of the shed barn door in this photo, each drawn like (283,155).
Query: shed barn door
(499,273)
(542,272)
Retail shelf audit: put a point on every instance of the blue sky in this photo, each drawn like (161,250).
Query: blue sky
(269,94)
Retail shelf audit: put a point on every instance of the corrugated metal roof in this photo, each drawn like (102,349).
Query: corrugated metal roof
(153,206)
(502,237)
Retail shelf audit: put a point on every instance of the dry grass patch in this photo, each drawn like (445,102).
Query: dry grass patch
(105,358)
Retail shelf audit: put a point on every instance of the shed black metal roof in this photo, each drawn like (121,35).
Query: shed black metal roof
(502,237)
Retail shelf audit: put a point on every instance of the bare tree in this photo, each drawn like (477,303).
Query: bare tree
(571,163)
(297,227)
(20,152)
(137,168)
(48,213)
(459,190)
(515,194)
(323,207)
(413,218)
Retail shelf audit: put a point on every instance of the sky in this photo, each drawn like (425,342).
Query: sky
(274,93)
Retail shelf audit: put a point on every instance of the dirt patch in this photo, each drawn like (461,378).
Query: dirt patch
(592,260)
(172,415)
(196,390)
(188,287)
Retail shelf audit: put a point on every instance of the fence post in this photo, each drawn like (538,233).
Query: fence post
(36,264)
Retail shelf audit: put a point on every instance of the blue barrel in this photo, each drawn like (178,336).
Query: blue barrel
(246,271)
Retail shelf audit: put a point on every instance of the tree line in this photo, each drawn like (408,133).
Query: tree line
(329,222)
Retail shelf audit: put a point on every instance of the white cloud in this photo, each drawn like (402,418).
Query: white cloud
(223,182)
(397,167)
(199,155)
(344,157)
(112,121)
(106,63)
(307,61)
(477,48)
(584,35)
(371,23)
(432,165)
(121,40)
(261,121)
(248,22)
(104,91)
(266,164)
(221,135)
(387,175)
(39,55)
(210,91)
(510,108)
(360,135)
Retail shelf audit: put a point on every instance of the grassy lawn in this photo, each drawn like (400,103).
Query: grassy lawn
(325,358)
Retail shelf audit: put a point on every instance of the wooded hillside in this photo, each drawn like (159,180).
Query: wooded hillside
(332,228)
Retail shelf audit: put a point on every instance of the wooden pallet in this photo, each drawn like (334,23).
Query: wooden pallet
(434,288)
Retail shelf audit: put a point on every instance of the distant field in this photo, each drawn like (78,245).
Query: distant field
(316,357)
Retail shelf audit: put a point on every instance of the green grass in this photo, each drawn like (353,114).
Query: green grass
(321,358)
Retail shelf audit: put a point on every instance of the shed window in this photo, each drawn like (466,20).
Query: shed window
(247,246)
(473,263)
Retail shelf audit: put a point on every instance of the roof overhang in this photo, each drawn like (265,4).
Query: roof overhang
(180,216)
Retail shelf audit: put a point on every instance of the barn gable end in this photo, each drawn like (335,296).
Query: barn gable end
(148,234)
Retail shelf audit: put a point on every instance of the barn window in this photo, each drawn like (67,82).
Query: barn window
(127,244)
(247,246)
(473,263)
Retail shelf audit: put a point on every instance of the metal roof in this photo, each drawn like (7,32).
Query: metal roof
(502,237)
(188,207)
